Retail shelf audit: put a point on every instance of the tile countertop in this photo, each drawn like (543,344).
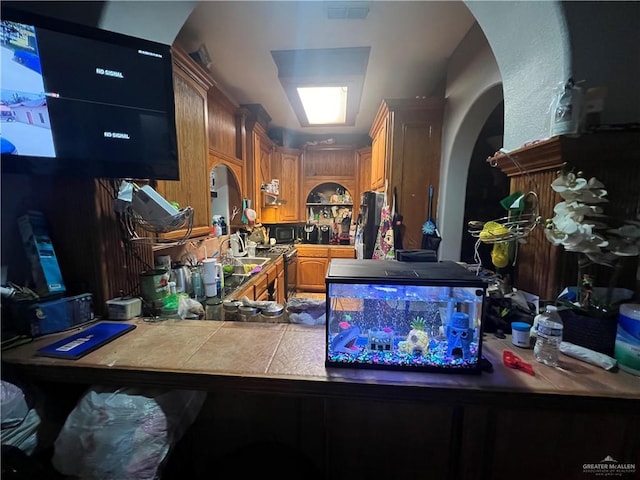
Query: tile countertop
(289,358)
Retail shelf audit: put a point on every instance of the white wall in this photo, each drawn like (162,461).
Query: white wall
(530,43)
(472,92)
(159,21)
(531,47)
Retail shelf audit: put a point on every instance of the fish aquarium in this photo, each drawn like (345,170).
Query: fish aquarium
(404,316)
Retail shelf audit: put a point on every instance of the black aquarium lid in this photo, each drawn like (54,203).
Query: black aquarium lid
(382,271)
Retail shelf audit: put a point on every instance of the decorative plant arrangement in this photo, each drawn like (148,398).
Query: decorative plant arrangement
(580,225)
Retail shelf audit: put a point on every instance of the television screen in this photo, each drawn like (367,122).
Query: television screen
(80,101)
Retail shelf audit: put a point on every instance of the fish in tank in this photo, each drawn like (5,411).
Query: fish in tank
(412,327)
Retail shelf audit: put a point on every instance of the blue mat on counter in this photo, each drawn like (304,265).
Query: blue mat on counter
(79,344)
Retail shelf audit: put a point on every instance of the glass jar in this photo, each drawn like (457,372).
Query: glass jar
(213,309)
(273,314)
(248,314)
(230,308)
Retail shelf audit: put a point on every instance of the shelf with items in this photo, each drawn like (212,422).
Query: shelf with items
(270,199)
(330,204)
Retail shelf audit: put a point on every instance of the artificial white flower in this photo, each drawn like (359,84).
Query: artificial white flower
(575,228)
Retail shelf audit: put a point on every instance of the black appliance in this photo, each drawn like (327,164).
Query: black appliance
(310,233)
(283,233)
(325,233)
(102,102)
(368,221)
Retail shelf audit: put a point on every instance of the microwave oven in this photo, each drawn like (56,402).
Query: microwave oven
(283,233)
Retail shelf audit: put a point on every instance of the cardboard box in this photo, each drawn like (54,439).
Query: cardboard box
(45,270)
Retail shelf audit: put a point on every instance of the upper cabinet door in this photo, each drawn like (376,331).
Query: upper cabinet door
(190,90)
(378,158)
(283,207)
(406,153)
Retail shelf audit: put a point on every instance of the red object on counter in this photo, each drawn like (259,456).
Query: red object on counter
(511,360)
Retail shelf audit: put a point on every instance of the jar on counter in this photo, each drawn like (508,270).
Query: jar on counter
(230,308)
(273,314)
(213,309)
(248,314)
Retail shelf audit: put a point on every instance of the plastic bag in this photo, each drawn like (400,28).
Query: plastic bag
(19,423)
(14,406)
(189,308)
(307,311)
(123,434)
(567,110)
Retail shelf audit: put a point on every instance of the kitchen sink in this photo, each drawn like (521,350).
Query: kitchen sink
(242,265)
(251,260)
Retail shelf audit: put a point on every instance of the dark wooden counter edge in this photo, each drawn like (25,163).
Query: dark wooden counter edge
(338,388)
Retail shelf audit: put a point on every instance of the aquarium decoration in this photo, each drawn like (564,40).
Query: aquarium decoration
(459,336)
(405,323)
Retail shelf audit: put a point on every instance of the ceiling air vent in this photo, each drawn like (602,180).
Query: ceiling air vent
(348,11)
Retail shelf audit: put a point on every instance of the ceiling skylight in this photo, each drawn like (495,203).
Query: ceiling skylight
(333,72)
(324,105)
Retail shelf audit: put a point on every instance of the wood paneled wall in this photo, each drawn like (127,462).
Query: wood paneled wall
(613,158)
(329,162)
(89,239)
(222,124)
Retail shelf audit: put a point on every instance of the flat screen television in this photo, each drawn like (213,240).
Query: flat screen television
(79,101)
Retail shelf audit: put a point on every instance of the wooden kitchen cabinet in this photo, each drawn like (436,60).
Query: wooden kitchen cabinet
(259,151)
(285,166)
(248,291)
(311,273)
(364,172)
(406,153)
(313,261)
(378,170)
(190,85)
(261,285)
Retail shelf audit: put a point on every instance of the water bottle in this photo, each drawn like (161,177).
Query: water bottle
(549,336)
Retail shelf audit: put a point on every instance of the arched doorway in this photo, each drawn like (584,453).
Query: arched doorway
(486,186)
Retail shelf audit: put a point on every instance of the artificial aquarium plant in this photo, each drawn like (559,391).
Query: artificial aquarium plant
(580,226)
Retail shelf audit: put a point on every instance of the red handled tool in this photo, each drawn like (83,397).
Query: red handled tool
(511,360)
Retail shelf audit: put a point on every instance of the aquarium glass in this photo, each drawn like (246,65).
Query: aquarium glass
(413,327)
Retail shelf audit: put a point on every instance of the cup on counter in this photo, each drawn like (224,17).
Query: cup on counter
(251,248)
(272,241)
(210,277)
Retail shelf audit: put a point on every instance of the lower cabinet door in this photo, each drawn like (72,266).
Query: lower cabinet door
(311,274)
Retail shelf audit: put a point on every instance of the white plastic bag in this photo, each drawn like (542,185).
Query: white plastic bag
(123,434)
(567,110)
(14,406)
(19,422)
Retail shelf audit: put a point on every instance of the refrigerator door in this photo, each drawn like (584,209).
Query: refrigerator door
(369,220)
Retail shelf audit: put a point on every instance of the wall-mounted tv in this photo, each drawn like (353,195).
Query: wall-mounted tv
(79,101)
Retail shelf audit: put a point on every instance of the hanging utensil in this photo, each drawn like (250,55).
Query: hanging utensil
(243,219)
